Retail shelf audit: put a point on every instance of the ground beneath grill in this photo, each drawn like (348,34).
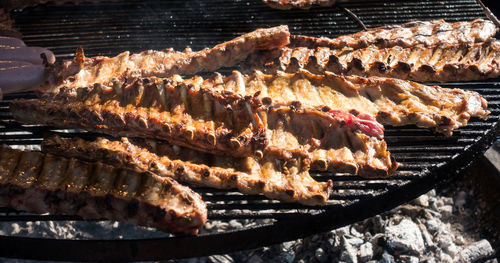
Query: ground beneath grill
(458,222)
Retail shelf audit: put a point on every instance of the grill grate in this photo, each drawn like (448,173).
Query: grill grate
(106,29)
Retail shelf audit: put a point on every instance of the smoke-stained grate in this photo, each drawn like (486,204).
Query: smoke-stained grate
(426,159)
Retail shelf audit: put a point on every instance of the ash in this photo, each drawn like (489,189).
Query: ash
(432,228)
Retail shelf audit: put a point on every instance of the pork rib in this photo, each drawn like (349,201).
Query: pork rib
(418,63)
(302,4)
(276,179)
(427,33)
(155,108)
(393,101)
(41,183)
(83,71)
(222,123)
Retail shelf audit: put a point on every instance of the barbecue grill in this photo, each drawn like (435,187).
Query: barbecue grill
(426,159)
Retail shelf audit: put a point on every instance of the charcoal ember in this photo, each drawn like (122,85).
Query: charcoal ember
(365,252)
(349,253)
(387,258)
(452,250)
(435,226)
(428,240)
(378,243)
(477,251)
(355,241)
(320,255)
(445,258)
(431,214)
(374,224)
(447,200)
(447,245)
(405,237)
(408,259)
(422,200)
(411,210)
(446,210)
(287,253)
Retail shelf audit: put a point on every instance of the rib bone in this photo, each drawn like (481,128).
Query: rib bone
(269,176)
(82,71)
(427,33)
(43,183)
(242,127)
(418,63)
(393,101)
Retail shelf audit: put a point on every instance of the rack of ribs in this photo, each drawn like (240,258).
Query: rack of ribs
(83,71)
(427,33)
(392,101)
(302,4)
(222,123)
(276,179)
(41,183)
(462,62)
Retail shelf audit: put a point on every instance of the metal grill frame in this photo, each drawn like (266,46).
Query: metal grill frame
(407,184)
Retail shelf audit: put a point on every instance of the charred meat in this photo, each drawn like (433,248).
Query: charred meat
(44,183)
(276,179)
(302,4)
(222,123)
(154,108)
(393,101)
(463,62)
(83,71)
(427,33)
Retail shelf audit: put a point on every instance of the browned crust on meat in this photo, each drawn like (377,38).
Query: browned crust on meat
(158,108)
(43,183)
(302,4)
(328,140)
(83,72)
(393,101)
(222,123)
(427,33)
(418,63)
(276,179)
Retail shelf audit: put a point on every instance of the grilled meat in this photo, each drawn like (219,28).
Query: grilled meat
(156,108)
(418,63)
(335,140)
(220,123)
(276,179)
(302,4)
(42,183)
(82,71)
(428,33)
(393,101)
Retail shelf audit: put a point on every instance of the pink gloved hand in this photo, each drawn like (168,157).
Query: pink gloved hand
(22,68)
